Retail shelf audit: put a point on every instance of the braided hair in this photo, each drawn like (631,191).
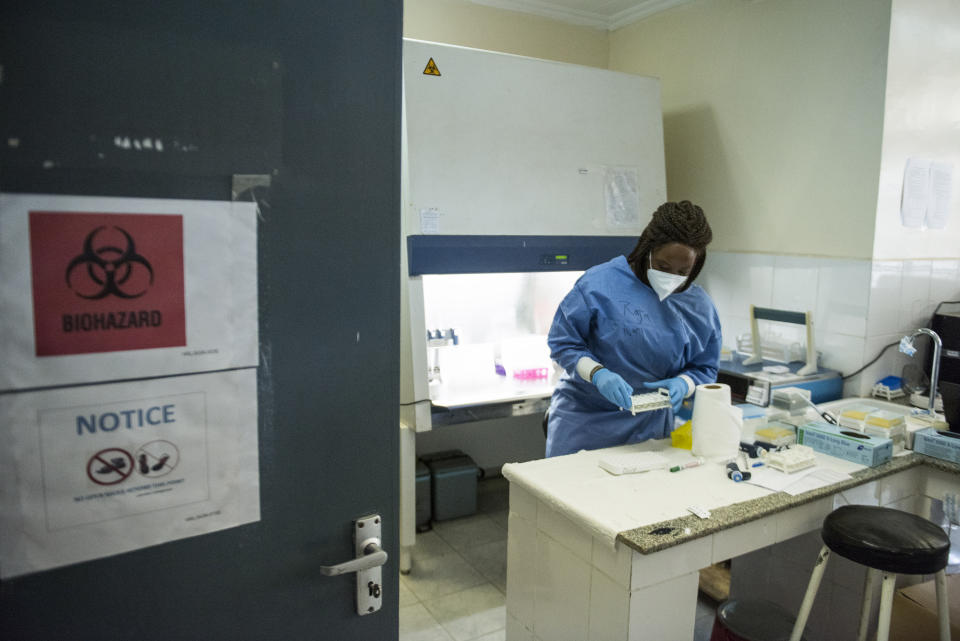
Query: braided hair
(681,222)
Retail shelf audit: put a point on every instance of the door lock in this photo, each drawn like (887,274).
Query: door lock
(370,558)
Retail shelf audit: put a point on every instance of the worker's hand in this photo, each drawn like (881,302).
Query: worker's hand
(677,387)
(614,388)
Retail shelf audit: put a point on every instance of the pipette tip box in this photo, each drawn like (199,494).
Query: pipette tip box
(845,443)
(940,444)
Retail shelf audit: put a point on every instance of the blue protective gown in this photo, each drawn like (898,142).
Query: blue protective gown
(611,316)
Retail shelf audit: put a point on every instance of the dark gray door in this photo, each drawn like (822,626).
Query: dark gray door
(308,93)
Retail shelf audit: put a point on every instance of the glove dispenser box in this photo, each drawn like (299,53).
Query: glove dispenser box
(453,483)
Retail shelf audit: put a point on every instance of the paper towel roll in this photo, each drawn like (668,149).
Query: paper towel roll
(716,423)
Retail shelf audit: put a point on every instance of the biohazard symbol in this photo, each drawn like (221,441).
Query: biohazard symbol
(109,269)
(431,69)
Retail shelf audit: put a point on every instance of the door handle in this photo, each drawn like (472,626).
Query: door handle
(373,557)
(370,558)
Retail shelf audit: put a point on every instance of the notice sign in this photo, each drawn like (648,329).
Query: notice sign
(106,282)
(95,471)
(106,289)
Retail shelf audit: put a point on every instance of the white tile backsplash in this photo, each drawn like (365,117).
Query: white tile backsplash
(858,305)
(944,282)
(889,364)
(796,280)
(843,297)
(885,282)
(841,352)
(914,301)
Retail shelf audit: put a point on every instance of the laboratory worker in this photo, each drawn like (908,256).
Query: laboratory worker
(630,326)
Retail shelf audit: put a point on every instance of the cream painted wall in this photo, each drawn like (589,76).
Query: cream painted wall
(464,23)
(922,120)
(773,114)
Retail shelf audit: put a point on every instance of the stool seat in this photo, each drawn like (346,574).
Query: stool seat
(886,539)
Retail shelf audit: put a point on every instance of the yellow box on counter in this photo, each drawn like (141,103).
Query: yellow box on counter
(915,612)
(882,418)
(845,443)
(682,437)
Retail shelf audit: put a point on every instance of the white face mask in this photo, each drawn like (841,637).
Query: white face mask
(664,283)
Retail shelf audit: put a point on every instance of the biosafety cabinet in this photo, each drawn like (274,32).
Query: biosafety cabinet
(518,174)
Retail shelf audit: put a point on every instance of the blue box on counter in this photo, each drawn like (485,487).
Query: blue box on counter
(845,443)
(938,444)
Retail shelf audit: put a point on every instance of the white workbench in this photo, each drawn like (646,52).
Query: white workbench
(585,561)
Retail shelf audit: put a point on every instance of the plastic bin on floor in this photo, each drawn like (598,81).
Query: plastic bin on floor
(453,477)
(751,620)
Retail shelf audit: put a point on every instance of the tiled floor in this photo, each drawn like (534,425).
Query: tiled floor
(457,588)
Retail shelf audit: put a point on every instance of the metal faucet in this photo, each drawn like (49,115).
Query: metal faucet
(906,346)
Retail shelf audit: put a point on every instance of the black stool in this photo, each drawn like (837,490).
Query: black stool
(885,541)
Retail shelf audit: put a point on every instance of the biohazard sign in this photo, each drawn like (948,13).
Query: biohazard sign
(106,282)
(431,69)
(99,289)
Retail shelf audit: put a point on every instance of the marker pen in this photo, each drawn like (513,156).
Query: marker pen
(698,461)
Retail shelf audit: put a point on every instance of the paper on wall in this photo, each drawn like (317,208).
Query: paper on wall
(101,289)
(927,190)
(89,472)
(941,188)
(429,221)
(621,190)
(916,192)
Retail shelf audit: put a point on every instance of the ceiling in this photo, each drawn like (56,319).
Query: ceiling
(602,14)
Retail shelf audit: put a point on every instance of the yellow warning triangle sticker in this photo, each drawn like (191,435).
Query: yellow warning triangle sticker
(431,69)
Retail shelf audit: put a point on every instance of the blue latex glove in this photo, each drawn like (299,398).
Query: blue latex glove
(614,388)
(677,387)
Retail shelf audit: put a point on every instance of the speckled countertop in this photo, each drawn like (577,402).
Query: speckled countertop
(658,536)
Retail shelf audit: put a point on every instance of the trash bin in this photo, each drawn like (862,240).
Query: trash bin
(453,481)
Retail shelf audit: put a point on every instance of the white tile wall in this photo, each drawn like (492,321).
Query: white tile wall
(914,303)
(562,592)
(859,305)
(614,562)
(944,282)
(523,503)
(796,280)
(885,282)
(609,609)
(735,541)
(866,494)
(841,352)
(664,611)
(803,519)
(653,568)
(890,363)
(564,531)
(521,564)
(843,297)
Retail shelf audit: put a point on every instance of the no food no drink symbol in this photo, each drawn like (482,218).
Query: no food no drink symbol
(110,466)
